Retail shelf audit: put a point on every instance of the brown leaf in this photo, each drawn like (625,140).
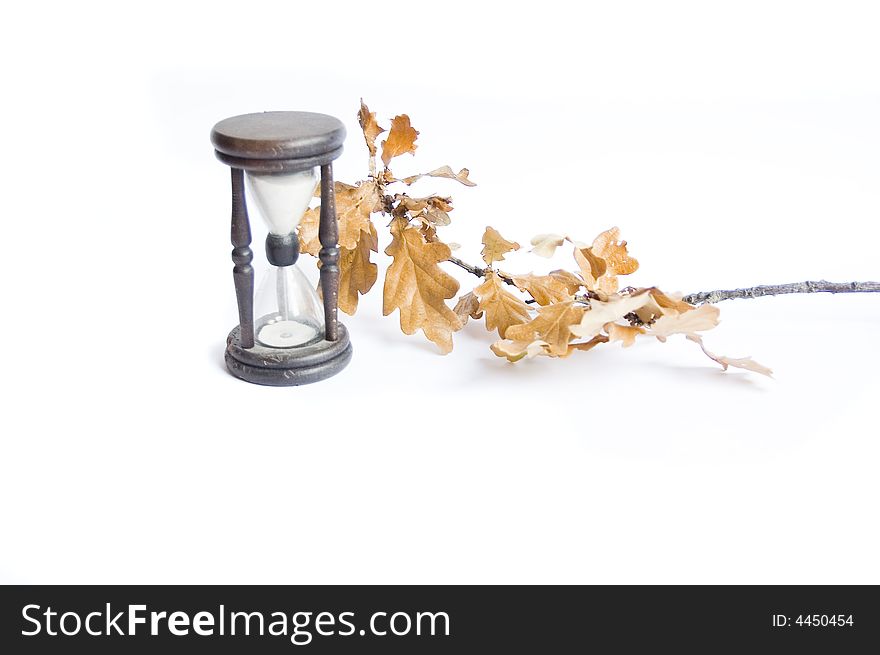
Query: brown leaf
(401,139)
(746,363)
(653,306)
(544,245)
(592,267)
(552,325)
(410,204)
(495,245)
(607,284)
(614,252)
(429,232)
(430,209)
(570,280)
(354,204)
(416,286)
(357,274)
(502,308)
(669,303)
(558,286)
(443,171)
(625,333)
(436,216)
(602,262)
(307,231)
(441,203)
(468,306)
(517,350)
(651,310)
(601,313)
(588,345)
(704,317)
(370,127)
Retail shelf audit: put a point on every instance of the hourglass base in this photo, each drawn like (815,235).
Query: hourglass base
(287,367)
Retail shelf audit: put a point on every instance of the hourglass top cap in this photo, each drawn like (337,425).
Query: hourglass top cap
(275,136)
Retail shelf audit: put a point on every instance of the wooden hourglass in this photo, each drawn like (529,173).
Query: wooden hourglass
(287,335)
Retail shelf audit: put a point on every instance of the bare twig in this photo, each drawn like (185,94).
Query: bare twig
(470,268)
(479,272)
(818,286)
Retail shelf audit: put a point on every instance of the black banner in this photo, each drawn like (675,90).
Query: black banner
(447,619)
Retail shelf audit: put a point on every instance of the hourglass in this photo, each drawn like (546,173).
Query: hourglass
(286,334)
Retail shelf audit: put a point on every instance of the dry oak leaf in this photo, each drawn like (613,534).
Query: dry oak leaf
(592,267)
(616,257)
(517,350)
(625,333)
(401,139)
(658,304)
(502,308)
(495,245)
(468,306)
(670,303)
(614,252)
(570,280)
(699,319)
(307,231)
(430,209)
(607,284)
(588,345)
(614,309)
(552,325)
(545,245)
(443,171)
(416,286)
(409,204)
(602,262)
(436,216)
(430,232)
(357,274)
(746,363)
(557,286)
(370,127)
(354,204)
(691,321)
(436,212)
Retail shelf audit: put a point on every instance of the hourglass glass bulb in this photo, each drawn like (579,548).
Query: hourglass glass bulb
(282,198)
(287,309)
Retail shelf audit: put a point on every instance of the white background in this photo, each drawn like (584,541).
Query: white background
(733,143)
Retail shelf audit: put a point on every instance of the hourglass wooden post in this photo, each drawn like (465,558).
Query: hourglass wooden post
(286,336)
(243,272)
(328,234)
